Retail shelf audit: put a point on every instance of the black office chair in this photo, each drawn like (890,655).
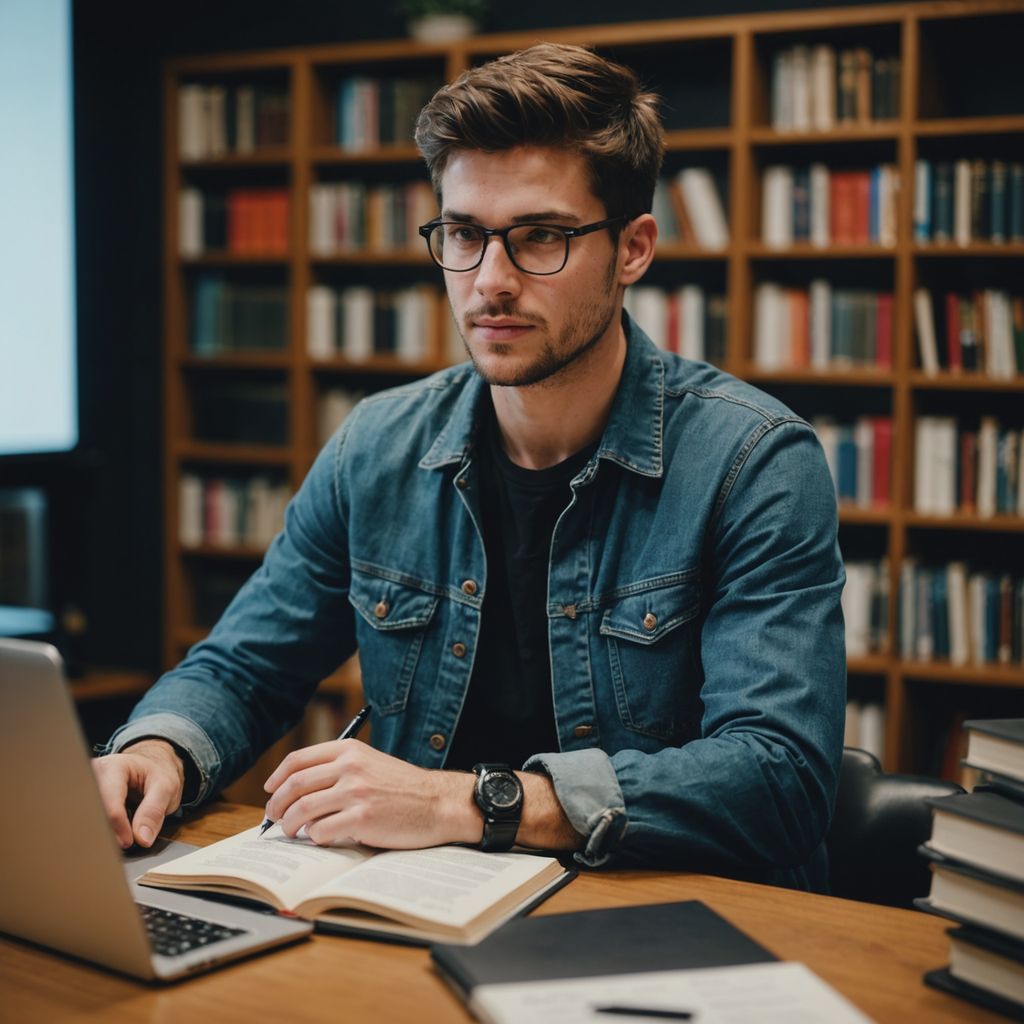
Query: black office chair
(879,822)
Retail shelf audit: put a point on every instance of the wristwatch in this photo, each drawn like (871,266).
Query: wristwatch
(499,795)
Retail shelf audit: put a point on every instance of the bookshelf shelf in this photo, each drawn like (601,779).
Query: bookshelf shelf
(737,146)
(104,683)
(253,455)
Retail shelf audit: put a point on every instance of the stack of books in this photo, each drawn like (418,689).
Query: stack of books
(689,209)
(685,320)
(965,201)
(977,854)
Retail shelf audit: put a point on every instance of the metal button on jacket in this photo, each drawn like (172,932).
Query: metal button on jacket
(469,587)
(437,741)
(650,621)
(381,609)
(459,650)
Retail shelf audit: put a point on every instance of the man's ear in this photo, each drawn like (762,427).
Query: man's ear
(636,244)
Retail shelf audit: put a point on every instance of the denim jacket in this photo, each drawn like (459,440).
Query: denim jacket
(694,622)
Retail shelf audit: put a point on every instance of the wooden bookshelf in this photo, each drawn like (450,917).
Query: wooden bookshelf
(920,698)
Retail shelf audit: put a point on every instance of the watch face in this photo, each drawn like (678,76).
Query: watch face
(502,790)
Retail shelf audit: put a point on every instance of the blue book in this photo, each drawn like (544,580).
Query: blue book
(207,297)
(940,603)
(846,459)
(991,646)
(924,184)
(1015,196)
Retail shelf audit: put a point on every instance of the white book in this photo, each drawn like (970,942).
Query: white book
(823,88)
(856,605)
(888,192)
(821,323)
(924,322)
(828,436)
(332,410)
(821,234)
(664,213)
(962,202)
(1001,360)
(988,456)
(704,207)
(782,91)
(227,533)
(851,728)
(976,617)
(216,121)
(356,342)
(872,729)
(801,84)
(190,510)
(768,298)
(691,321)
(245,119)
(190,222)
(410,324)
(648,306)
(924,437)
(322,220)
(864,442)
(191,134)
(943,466)
(922,201)
(777,207)
(257,502)
(956,589)
(321,318)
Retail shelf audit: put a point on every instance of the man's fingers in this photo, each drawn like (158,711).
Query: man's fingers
(113,786)
(298,760)
(160,797)
(299,784)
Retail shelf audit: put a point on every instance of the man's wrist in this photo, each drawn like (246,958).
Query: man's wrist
(465,819)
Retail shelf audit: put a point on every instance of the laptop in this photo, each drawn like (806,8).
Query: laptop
(65,882)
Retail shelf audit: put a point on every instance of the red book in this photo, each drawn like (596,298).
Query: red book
(955,353)
(968,470)
(281,220)
(883,331)
(799,327)
(840,208)
(861,199)
(881,461)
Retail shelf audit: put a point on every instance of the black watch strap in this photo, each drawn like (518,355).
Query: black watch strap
(499,795)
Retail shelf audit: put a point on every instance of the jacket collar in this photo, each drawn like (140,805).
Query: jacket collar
(632,438)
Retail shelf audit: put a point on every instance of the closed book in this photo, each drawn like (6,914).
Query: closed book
(883,331)
(1015,200)
(924,324)
(881,467)
(595,943)
(962,181)
(823,88)
(942,202)
(704,206)
(979,200)
(984,968)
(982,828)
(996,745)
(997,210)
(922,201)
(956,589)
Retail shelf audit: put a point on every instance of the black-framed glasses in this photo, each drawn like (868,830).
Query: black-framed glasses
(532,248)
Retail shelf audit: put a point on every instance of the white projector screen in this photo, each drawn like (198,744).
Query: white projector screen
(38,372)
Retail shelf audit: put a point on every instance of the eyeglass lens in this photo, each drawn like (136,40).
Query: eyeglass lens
(535,248)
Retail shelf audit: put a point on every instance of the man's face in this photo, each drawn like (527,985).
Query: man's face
(519,328)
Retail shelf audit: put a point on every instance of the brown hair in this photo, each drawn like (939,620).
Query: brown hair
(553,95)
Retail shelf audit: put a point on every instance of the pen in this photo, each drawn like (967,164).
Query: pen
(346,734)
(645,1011)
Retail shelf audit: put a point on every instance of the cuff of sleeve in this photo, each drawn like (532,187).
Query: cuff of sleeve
(188,737)
(588,790)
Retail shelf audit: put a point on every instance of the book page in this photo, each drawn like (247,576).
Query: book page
(772,993)
(447,884)
(287,869)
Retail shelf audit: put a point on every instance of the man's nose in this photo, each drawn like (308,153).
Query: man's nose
(496,273)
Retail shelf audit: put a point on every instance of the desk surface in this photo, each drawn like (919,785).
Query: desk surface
(874,955)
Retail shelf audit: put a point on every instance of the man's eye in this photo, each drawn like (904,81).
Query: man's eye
(466,236)
(543,236)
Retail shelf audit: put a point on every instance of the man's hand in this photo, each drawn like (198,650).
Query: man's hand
(149,773)
(345,790)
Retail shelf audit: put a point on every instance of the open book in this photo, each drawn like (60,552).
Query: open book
(446,893)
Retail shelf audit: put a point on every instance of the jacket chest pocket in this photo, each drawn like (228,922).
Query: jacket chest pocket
(392,625)
(653,651)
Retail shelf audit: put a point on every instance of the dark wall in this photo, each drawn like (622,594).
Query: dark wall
(108,505)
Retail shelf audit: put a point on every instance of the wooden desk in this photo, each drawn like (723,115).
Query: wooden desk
(873,955)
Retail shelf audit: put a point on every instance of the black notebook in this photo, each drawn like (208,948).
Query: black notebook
(589,943)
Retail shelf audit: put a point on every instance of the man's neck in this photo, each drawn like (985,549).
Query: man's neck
(543,424)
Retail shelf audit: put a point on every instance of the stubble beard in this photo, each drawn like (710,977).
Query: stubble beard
(589,323)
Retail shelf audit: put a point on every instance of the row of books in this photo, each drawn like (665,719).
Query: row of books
(976,854)
(230,316)
(966,201)
(689,209)
(978,332)
(358,322)
(686,320)
(232,409)
(351,216)
(962,615)
(865,603)
(214,120)
(865,727)
(332,409)
(374,112)
(859,455)
(967,470)
(230,511)
(816,88)
(826,207)
(821,327)
(246,221)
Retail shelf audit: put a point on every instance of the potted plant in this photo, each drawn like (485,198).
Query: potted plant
(442,21)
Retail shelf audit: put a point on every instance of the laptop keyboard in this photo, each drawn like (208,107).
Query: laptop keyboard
(172,934)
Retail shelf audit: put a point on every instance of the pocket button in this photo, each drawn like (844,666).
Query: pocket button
(650,621)
(381,609)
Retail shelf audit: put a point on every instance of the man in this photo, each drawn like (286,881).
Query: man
(578,555)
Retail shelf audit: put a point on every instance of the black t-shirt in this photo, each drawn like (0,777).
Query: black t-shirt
(509,714)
